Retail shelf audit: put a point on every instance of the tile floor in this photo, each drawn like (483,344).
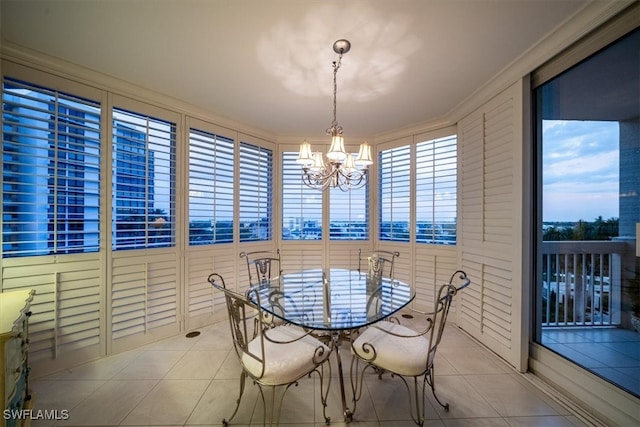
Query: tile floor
(194,382)
(612,353)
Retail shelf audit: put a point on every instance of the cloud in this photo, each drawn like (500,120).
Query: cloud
(580,170)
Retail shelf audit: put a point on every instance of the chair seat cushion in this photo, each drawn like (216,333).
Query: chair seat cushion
(285,363)
(401,355)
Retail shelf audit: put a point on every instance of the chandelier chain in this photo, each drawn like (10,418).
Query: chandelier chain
(335,129)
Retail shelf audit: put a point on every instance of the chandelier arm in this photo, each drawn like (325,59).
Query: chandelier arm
(334,177)
(353,179)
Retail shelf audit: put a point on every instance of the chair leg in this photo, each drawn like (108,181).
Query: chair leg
(419,402)
(324,392)
(276,409)
(268,412)
(357,380)
(272,410)
(416,399)
(430,380)
(273,414)
(264,403)
(243,378)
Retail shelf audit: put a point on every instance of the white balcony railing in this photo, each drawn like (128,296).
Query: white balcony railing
(581,283)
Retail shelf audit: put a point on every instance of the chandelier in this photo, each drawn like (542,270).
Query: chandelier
(340,170)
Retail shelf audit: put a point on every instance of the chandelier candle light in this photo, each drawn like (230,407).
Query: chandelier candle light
(340,170)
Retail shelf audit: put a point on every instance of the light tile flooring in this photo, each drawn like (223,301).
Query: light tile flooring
(194,382)
(612,353)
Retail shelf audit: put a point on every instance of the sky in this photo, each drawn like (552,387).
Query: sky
(580,171)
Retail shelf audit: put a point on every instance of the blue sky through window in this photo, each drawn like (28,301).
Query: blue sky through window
(580,170)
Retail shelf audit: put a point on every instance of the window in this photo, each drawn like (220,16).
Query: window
(256,192)
(143,187)
(436,191)
(349,214)
(588,288)
(301,205)
(210,188)
(395,193)
(51,172)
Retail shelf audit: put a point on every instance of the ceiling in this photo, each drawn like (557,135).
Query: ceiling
(267,64)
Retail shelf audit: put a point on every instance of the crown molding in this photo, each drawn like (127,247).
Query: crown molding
(45,63)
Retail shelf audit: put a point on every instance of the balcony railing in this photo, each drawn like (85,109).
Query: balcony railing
(582,283)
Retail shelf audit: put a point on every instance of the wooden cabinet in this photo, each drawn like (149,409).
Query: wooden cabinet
(15,309)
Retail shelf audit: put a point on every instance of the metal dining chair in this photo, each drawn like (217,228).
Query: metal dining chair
(271,356)
(377,263)
(405,353)
(265,265)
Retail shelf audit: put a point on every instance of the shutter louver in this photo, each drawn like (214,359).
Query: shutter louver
(436,191)
(301,205)
(211,189)
(349,214)
(51,172)
(256,192)
(491,203)
(395,193)
(143,181)
(144,296)
(66,306)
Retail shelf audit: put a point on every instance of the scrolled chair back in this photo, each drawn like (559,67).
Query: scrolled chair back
(377,266)
(262,266)
(379,263)
(437,320)
(244,324)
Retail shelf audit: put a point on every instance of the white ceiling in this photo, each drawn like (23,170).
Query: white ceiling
(268,63)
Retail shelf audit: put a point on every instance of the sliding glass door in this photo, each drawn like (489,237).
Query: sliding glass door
(588,159)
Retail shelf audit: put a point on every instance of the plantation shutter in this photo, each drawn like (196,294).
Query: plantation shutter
(51,214)
(436,190)
(301,205)
(211,189)
(395,193)
(144,297)
(490,142)
(349,214)
(256,193)
(143,196)
(51,172)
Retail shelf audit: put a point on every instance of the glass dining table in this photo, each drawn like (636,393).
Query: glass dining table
(333,303)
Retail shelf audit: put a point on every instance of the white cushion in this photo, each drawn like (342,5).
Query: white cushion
(284,363)
(402,355)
